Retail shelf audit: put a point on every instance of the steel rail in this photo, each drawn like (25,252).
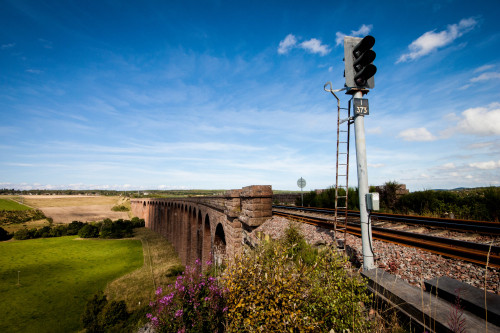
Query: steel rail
(468,251)
(482,227)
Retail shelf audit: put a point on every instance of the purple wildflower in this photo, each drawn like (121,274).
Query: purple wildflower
(178,313)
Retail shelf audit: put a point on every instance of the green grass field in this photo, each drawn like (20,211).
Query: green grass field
(57,276)
(7,204)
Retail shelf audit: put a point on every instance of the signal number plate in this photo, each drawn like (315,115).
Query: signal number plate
(361,106)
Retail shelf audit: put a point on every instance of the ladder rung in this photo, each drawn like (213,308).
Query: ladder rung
(341,207)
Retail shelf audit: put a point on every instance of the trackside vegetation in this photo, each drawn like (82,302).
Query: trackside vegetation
(45,283)
(471,204)
(281,286)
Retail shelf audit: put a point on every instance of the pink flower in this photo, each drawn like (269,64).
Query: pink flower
(178,313)
(159,291)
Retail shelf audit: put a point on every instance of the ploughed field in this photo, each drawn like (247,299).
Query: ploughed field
(68,208)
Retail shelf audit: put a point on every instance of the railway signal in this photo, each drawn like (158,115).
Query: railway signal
(358,57)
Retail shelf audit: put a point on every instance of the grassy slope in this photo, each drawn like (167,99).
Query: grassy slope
(140,285)
(7,204)
(57,276)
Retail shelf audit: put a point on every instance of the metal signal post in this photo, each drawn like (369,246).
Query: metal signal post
(359,72)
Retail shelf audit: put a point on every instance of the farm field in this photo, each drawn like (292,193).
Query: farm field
(57,276)
(7,204)
(68,208)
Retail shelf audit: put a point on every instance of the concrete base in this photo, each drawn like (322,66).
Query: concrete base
(471,299)
(422,310)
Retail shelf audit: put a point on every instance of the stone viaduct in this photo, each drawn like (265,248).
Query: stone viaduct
(207,227)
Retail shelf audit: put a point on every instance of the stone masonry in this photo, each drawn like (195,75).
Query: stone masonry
(207,228)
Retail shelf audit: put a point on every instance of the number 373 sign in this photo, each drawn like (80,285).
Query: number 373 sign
(361,106)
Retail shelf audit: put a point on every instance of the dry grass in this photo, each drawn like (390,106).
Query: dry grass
(29,225)
(137,288)
(42,201)
(68,208)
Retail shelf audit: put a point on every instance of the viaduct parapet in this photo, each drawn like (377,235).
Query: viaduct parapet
(207,228)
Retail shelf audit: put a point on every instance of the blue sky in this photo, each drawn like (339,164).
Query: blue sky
(226,94)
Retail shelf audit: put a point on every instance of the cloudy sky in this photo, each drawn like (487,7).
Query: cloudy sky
(226,94)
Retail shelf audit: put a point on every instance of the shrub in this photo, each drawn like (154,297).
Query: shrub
(137,222)
(4,235)
(74,227)
(194,304)
(175,270)
(272,289)
(112,314)
(94,306)
(22,234)
(106,229)
(120,208)
(88,231)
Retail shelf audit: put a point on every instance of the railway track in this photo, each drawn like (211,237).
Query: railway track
(481,227)
(468,251)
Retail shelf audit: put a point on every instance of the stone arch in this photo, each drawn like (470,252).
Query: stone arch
(219,250)
(199,237)
(207,242)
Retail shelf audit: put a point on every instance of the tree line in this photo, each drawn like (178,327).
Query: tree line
(103,229)
(470,204)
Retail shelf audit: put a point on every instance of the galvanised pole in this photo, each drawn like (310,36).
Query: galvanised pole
(359,130)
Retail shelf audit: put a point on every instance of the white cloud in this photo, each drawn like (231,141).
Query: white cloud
(432,40)
(480,120)
(7,46)
(483,68)
(417,134)
(486,76)
(374,130)
(287,44)
(362,31)
(34,71)
(376,165)
(314,45)
(486,165)
(448,166)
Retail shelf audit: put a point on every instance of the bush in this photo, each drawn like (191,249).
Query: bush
(272,289)
(137,222)
(88,231)
(120,208)
(74,227)
(94,306)
(194,304)
(175,270)
(4,235)
(23,234)
(113,314)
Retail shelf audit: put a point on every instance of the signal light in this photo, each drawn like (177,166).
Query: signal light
(358,57)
